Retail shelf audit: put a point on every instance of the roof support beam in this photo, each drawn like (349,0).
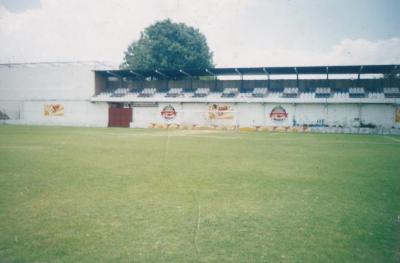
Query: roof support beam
(327,73)
(359,72)
(297,76)
(395,70)
(327,76)
(113,74)
(188,75)
(136,74)
(209,72)
(268,76)
(161,74)
(185,73)
(241,77)
(266,72)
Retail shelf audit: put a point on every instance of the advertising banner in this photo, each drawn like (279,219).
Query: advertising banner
(278,113)
(168,112)
(53,110)
(220,111)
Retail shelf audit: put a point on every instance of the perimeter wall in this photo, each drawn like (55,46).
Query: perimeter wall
(230,115)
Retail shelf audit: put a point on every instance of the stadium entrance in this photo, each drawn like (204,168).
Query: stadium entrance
(119,116)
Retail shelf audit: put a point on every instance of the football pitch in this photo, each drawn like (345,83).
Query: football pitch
(127,195)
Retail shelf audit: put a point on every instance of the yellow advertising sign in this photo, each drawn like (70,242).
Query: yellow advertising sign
(220,111)
(53,110)
(398,114)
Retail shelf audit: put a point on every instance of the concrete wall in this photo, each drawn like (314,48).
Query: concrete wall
(76,113)
(26,89)
(47,81)
(258,114)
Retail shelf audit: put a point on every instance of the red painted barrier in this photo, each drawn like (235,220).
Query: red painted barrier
(119,117)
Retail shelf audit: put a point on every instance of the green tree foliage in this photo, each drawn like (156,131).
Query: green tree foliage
(168,45)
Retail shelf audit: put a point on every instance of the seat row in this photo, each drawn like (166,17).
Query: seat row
(259,92)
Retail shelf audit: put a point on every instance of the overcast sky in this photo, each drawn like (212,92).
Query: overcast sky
(241,33)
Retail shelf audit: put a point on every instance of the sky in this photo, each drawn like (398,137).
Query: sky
(241,33)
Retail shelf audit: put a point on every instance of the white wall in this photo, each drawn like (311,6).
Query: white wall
(76,113)
(143,117)
(12,108)
(258,114)
(25,89)
(381,115)
(195,113)
(251,114)
(47,81)
(343,114)
(310,113)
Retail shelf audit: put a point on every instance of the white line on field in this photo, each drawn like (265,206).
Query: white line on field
(194,134)
(198,226)
(166,148)
(391,138)
(290,140)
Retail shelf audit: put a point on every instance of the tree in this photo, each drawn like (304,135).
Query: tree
(168,45)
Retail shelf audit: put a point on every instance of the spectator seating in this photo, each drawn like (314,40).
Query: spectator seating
(391,92)
(290,92)
(120,92)
(174,92)
(147,92)
(201,93)
(322,92)
(230,92)
(356,92)
(260,92)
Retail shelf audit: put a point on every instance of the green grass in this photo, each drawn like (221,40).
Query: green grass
(124,195)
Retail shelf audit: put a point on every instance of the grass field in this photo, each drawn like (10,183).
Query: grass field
(124,195)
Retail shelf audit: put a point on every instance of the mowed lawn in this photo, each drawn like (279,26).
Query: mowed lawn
(125,195)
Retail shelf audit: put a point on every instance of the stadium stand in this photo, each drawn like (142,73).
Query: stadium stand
(290,92)
(356,92)
(120,92)
(230,92)
(260,92)
(323,92)
(174,92)
(147,92)
(201,93)
(104,94)
(248,102)
(391,92)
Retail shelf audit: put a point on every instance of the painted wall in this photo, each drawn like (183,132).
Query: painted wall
(75,113)
(257,114)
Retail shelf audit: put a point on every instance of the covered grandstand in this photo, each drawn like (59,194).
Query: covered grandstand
(258,98)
